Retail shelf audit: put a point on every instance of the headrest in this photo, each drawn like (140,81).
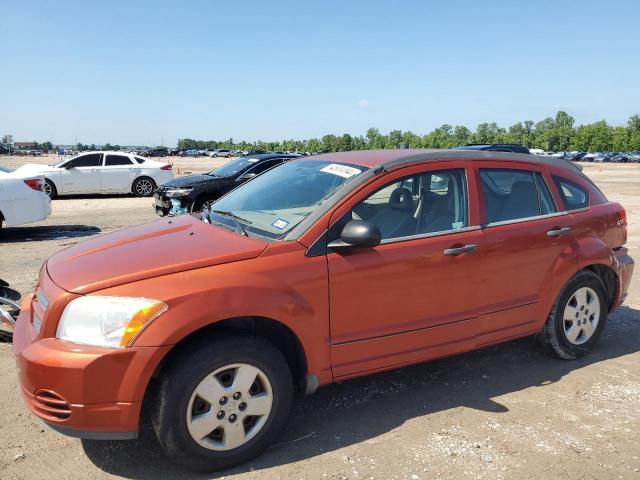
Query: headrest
(401,199)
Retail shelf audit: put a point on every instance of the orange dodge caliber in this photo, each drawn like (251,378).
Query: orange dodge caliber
(325,268)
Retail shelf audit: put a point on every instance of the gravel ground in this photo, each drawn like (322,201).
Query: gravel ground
(503,412)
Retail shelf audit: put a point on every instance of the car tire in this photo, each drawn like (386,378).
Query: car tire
(181,418)
(203,200)
(227,156)
(577,318)
(143,187)
(50,189)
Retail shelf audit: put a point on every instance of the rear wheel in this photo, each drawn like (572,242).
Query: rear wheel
(223,403)
(143,187)
(577,318)
(49,188)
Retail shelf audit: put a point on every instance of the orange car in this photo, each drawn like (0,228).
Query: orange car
(325,268)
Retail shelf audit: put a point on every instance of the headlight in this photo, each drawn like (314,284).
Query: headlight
(112,322)
(178,192)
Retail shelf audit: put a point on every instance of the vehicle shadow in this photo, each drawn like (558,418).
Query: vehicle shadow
(350,412)
(95,196)
(46,232)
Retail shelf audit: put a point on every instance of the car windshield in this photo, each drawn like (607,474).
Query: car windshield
(276,201)
(232,168)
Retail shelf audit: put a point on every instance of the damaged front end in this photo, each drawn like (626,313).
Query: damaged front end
(9,310)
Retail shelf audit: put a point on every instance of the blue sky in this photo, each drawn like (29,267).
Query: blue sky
(135,72)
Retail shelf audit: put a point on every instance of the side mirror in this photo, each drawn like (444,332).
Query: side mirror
(68,166)
(358,233)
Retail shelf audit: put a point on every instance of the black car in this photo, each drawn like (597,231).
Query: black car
(495,147)
(157,152)
(195,193)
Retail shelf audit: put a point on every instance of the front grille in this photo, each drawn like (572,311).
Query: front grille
(50,405)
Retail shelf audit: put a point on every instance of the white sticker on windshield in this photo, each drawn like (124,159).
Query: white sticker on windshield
(252,160)
(280,224)
(341,170)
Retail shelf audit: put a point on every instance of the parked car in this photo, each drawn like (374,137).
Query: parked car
(22,199)
(326,268)
(619,157)
(157,152)
(634,156)
(222,153)
(495,147)
(102,172)
(599,157)
(195,193)
(588,157)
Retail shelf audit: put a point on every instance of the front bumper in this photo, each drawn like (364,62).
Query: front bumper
(79,390)
(170,206)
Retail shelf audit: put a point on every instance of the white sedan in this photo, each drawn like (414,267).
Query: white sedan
(102,172)
(22,199)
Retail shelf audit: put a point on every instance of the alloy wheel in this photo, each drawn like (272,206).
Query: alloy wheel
(229,407)
(581,315)
(47,189)
(144,187)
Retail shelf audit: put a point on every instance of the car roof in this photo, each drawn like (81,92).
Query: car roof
(389,159)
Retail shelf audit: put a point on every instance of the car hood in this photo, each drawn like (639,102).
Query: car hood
(190,181)
(150,250)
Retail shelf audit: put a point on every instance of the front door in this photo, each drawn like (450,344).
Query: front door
(412,297)
(82,174)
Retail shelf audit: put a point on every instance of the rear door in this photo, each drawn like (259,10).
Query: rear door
(118,173)
(82,174)
(526,242)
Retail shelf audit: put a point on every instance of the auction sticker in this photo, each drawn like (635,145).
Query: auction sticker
(280,224)
(341,170)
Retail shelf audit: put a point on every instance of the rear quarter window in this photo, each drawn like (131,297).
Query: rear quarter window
(573,196)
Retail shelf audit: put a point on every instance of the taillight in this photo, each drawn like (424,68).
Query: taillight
(622,221)
(165,167)
(34,183)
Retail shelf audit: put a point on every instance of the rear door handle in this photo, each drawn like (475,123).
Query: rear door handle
(458,250)
(558,232)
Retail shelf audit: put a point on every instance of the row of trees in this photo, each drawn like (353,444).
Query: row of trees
(557,134)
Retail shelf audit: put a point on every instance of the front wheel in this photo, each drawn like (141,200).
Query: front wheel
(577,319)
(223,402)
(143,187)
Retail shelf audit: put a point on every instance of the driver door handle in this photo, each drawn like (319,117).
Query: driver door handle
(558,232)
(452,252)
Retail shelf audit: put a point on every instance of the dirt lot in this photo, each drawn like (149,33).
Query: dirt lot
(503,412)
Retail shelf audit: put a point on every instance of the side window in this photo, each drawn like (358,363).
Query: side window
(439,205)
(89,160)
(573,196)
(264,166)
(546,200)
(512,194)
(112,160)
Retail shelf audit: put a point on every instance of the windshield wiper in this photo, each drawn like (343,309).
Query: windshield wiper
(236,219)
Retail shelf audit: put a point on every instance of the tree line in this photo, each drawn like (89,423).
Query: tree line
(557,133)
